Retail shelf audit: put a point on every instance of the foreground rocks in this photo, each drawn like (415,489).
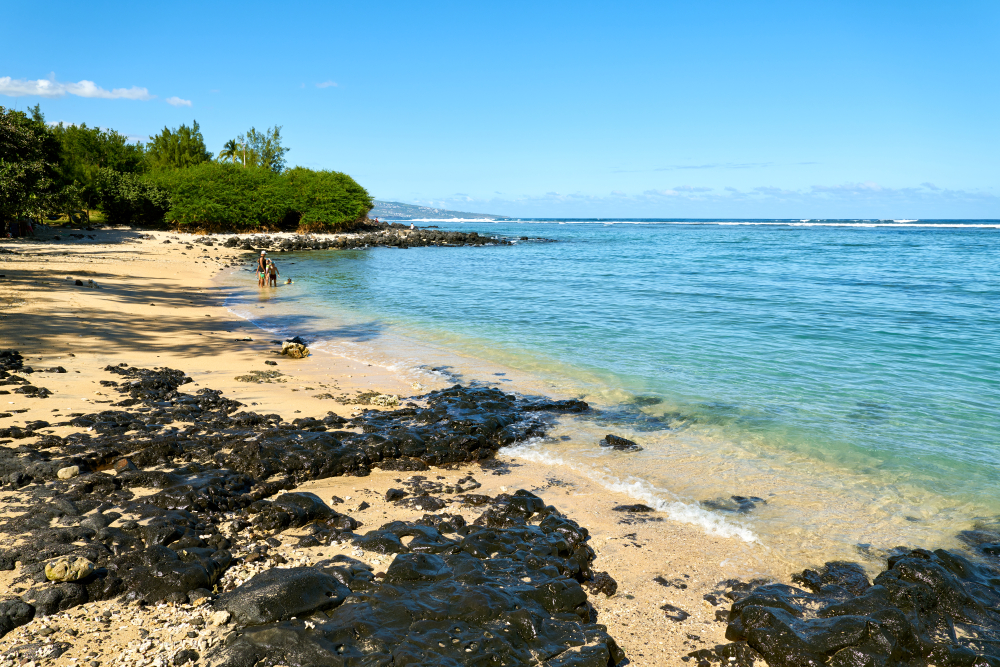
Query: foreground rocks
(171,490)
(505,591)
(927,608)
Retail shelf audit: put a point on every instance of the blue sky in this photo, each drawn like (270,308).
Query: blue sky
(625,109)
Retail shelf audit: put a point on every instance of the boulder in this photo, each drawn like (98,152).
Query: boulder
(69,569)
(282,593)
(294,350)
(69,472)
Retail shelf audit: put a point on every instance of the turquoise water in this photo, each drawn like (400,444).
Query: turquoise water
(847,372)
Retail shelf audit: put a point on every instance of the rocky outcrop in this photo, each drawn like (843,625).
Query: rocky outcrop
(926,608)
(508,585)
(505,590)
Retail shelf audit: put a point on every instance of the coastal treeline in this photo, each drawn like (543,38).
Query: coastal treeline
(55,170)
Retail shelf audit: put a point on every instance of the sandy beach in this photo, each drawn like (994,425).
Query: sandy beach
(148,303)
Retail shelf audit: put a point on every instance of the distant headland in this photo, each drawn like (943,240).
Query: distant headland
(393,210)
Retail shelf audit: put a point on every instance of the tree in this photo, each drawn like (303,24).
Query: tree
(182,147)
(264,149)
(233,151)
(85,151)
(325,200)
(29,154)
(215,196)
(131,199)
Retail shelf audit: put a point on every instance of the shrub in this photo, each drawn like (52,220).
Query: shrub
(130,199)
(326,200)
(214,196)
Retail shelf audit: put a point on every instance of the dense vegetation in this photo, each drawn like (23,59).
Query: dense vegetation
(48,170)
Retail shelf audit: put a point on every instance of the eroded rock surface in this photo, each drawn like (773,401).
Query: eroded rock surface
(169,485)
(505,590)
(927,608)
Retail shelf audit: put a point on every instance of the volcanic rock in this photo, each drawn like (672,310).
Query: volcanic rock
(620,444)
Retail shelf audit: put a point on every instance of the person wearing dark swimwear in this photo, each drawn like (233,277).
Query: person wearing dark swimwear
(272,274)
(261,268)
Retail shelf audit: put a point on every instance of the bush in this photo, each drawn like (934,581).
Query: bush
(127,199)
(326,200)
(217,197)
(214,197)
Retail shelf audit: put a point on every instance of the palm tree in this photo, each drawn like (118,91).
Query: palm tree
(231,152)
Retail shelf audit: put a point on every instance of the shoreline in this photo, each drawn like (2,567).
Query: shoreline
(154,304)
(143,304)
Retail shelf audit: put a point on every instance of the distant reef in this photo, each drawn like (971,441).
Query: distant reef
(393,210)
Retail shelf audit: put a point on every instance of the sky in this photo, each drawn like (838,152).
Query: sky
(765,109)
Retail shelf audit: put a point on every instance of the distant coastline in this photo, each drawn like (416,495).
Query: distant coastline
(392,210)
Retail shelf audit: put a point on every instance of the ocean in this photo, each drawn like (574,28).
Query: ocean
(840,378)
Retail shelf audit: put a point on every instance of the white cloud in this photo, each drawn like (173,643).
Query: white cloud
(327,84)
(83,88)
(178,102)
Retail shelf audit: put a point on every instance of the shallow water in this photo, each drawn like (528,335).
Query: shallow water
(845,373)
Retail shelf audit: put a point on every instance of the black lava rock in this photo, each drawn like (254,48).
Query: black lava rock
(926,608)
(281,593)
(497,595)
(14,613)
(620,444)
(638,507)
(734,504)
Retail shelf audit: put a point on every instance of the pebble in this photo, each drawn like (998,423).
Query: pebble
(219,618)
(68,472)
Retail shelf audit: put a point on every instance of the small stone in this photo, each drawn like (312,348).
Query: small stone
(124,465)
(68,569)
(184,656)
(69,472)
(271,363)
(219,618)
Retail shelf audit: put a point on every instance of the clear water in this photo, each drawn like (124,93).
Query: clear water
(846,372)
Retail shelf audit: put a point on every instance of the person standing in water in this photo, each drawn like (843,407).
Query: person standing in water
(261,268)
(272,274)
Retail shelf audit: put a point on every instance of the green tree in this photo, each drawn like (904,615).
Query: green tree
(178,148)
(264,149)
(233,151)
(29,154)
(85,151)
(129,199)
(325,200)
(215,196)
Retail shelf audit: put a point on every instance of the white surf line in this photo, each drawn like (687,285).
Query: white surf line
(712,523)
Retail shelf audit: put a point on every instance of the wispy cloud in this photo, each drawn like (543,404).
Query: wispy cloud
(178,102)
(83,88)
(929,186)
(327,84)
(716,165)
(708,165)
